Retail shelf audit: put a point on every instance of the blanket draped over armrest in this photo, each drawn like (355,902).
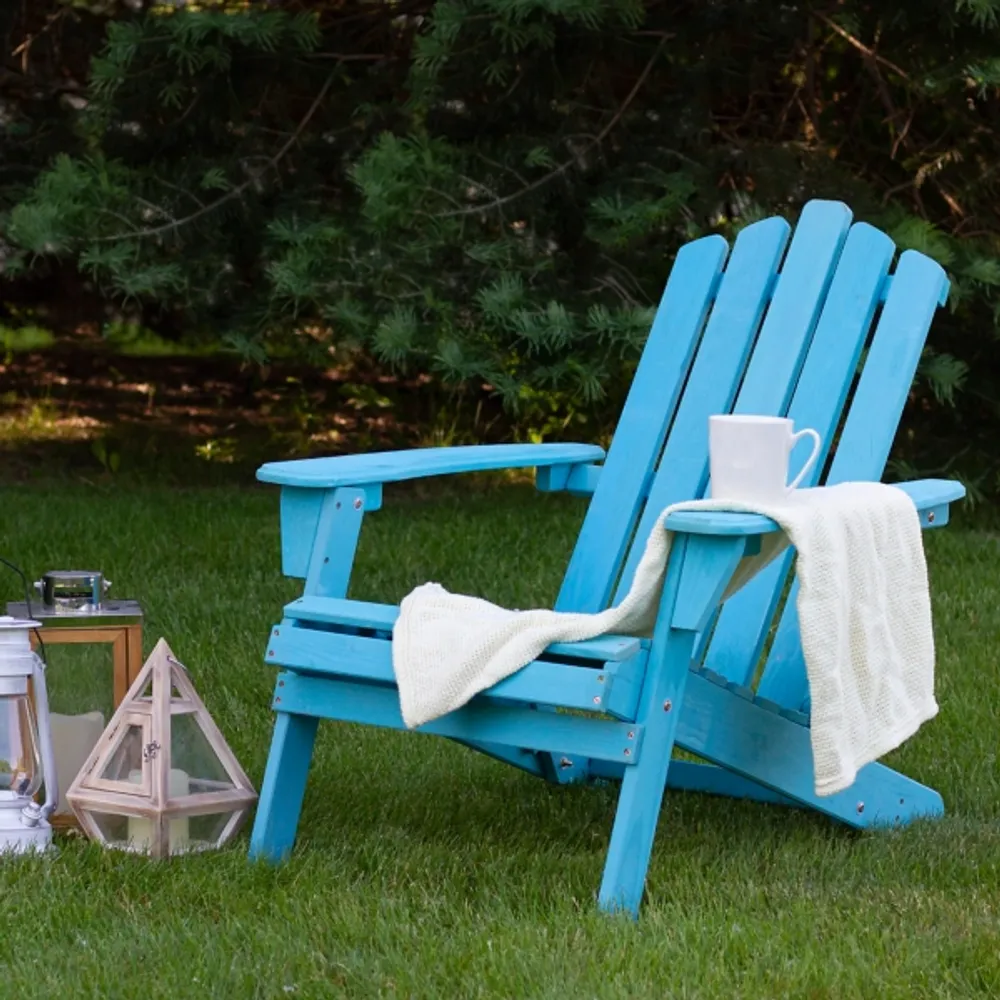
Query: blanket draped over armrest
(864,614)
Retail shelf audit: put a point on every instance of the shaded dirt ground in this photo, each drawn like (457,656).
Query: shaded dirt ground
(93,413)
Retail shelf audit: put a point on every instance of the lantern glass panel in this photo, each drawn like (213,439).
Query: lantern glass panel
(207,831)
(188,834)
(80,678)
(192,754)
(135,833)
(125,764)
(20,764)
(112,827)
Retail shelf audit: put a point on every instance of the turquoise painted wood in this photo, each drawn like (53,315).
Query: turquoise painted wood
(817,402)
(642,428)
(707,563)
(381,467)
(382,617)
(284,785)
(709,779)
(644,783)
(338,526)
(779,325)
(919,287)
(931,498)
(309,695)
(712,560)
(763,746)
(715,375)
(581,685)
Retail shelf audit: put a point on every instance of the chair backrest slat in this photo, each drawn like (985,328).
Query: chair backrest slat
(716,373)
(768,374)
(813,318)
(642,427)
(919,287)
(787,333)
(817,402)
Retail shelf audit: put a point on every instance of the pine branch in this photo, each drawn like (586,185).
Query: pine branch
(872,60)
(563,167)
(24,49)
(856,43)
(176,224)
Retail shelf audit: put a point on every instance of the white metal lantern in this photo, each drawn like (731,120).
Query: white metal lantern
(26,756)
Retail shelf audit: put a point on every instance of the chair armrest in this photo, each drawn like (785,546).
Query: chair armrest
(931,497)
(417,463)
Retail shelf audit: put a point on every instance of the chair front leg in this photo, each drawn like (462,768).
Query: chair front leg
(643,783)
(697,574)
(284,787)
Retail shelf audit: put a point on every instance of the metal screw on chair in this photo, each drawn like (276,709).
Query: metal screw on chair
(628,753)
(631,734)
(667,705)
(930,517)
(597,699)
(565,762)
(861,808)
(357,504)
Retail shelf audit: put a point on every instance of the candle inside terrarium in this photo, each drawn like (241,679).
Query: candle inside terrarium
(140,829)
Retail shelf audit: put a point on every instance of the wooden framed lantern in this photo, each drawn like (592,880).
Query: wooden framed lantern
(161,779)
(75,610)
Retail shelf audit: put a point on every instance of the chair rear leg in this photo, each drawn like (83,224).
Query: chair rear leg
(524,760)
(284,786)
(756,740)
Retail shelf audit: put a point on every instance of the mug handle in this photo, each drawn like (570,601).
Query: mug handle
(812,458)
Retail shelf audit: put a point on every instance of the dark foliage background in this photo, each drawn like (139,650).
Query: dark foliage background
(489,192)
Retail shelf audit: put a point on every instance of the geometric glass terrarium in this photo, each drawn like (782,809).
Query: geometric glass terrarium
(161,779)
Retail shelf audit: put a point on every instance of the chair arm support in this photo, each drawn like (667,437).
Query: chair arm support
(931,497)
(418,463)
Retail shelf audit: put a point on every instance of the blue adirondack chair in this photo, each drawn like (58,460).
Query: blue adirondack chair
(774,327)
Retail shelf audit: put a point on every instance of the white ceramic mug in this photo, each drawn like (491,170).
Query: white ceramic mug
(748,457)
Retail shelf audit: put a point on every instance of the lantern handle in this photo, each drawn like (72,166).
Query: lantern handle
(32,813)
(177,663)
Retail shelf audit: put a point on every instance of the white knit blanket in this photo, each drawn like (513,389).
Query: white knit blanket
(864,613)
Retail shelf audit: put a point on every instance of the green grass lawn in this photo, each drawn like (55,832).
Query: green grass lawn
(425,870)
